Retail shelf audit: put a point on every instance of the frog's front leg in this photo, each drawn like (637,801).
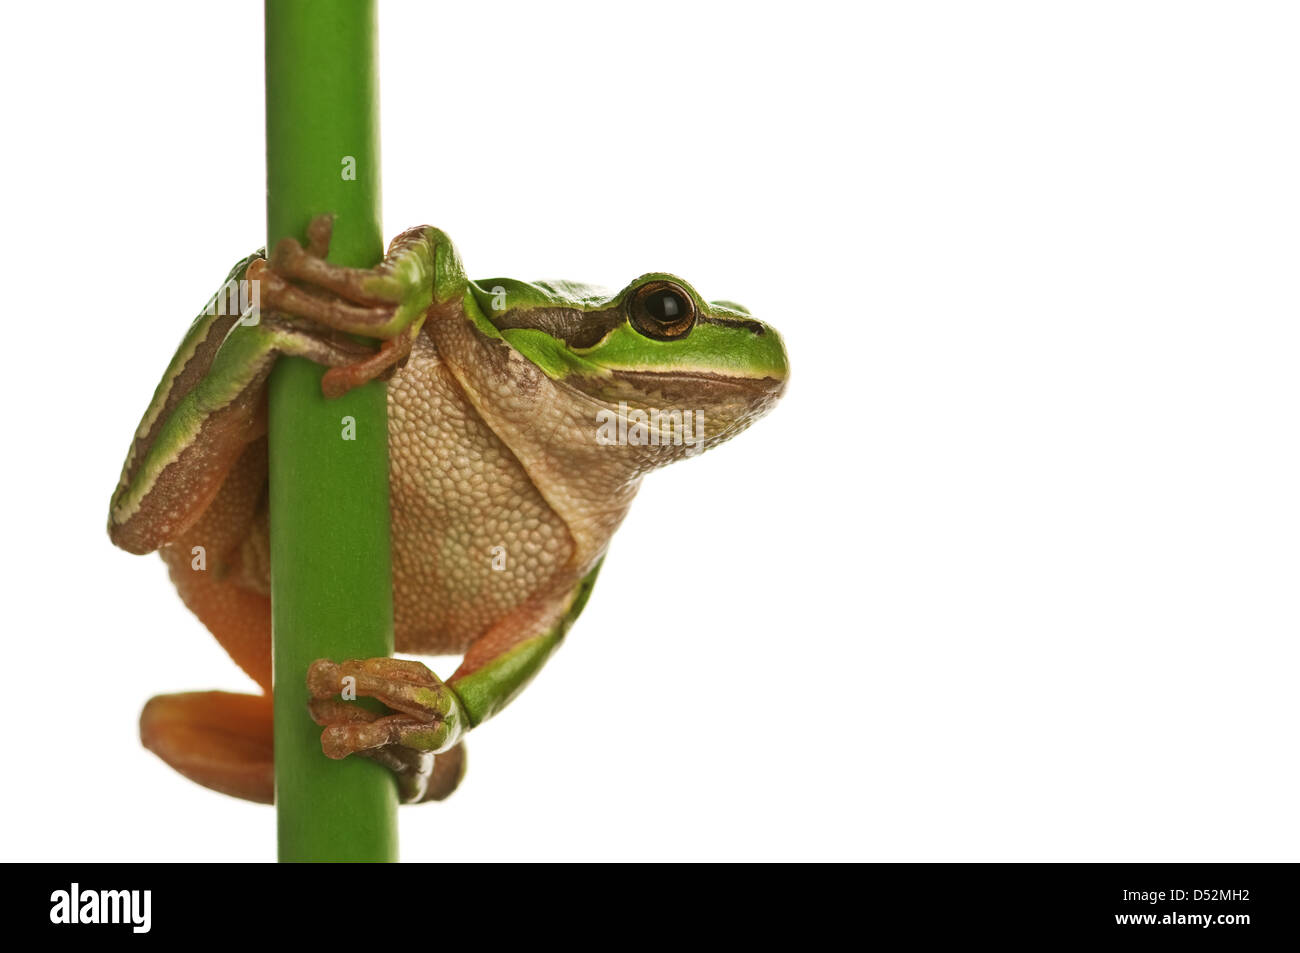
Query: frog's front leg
(389,301)
(431,716)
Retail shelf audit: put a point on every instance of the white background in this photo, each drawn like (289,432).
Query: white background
(1010,573)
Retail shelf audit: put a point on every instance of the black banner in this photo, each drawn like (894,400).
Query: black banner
(1231,903)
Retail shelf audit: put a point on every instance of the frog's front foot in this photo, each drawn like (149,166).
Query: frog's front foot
(299,281)
(419,743)
(386,302)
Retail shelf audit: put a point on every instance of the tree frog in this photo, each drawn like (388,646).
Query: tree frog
(521,416)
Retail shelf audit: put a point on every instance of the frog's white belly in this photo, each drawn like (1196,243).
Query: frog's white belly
(472,536)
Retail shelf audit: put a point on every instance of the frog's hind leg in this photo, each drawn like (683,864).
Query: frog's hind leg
(221,565)
(220,740)
(420,740)
(223,740)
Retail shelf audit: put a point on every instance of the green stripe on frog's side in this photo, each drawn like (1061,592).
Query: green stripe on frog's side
(217,359)
(246,355)
(211,388)
(192,358)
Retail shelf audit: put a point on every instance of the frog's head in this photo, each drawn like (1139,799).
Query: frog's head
(655,365)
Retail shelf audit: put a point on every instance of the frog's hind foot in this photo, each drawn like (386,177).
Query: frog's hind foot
(417,743)
(220,740)
(421,776)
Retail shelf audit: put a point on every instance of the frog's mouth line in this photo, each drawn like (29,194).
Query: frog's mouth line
(734,401)
(701,385)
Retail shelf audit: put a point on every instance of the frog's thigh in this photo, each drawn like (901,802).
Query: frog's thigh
(221,566)
(220,740)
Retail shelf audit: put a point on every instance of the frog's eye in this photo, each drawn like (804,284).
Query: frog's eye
(662,310)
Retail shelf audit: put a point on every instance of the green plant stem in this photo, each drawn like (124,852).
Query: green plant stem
(331,578)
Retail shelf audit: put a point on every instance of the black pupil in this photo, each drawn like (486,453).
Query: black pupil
(665,306)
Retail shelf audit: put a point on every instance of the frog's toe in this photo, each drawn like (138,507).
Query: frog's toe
(421,776)
(404,685)
(371,287)
(319,232)
(401,743)
(221,740)
(393,352)
(278,292)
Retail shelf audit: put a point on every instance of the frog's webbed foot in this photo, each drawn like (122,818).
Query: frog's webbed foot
(418,743)
(387,302)
(221,740)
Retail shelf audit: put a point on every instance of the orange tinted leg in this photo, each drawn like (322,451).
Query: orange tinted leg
(218,739)
(223,740)
(220,566)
